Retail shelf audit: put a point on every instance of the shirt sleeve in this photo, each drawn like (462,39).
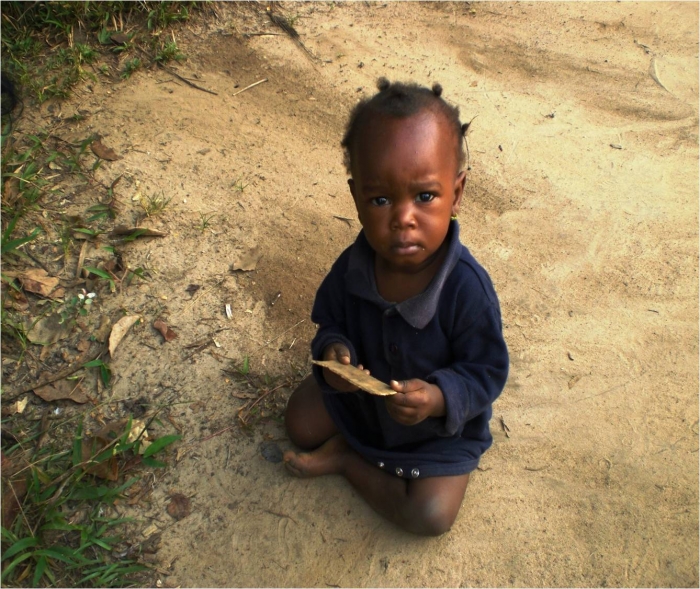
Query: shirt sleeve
(478,373)
(329,314)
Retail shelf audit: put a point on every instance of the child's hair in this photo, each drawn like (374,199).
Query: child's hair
(400,100)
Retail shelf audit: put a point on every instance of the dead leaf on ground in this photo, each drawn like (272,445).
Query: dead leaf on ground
(16,300)
(179,506)
(247,260)
(47,330)
(119,38)
(119,330)
(62,389)
(92,445)
(11,191)
(108,469)
(573,380)
(13,493)
(102,151)
(167,333)
(17,407)
(38,281)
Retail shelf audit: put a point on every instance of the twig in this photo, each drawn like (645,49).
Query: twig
(506,429)
(278,514)
(260,398)
(221,431)
(249,87)
(537,469)
(267,343)
(186,81)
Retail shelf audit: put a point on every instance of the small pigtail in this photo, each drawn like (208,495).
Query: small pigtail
(383,84)
(437,90)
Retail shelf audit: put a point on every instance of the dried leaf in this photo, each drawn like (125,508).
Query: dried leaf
(179,506)
(13,493)
(119,38)
(92,445)
(119,330)
(165,331)
(102,151)
(11,191)
(247,260)
(47,330)
(62,389)
(358,377)
(17,407)
(16,300)
(38,281)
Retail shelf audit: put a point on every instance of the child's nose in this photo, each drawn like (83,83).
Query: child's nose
(403,216)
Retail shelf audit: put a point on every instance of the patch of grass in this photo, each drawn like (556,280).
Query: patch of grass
(130,66)
(239,184)
(155,204)
(50,46)
(63,534)
(205,221)
(168,52)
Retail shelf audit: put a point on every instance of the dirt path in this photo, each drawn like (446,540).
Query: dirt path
(582,203)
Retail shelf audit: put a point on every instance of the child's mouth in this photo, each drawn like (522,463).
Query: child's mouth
(406,248)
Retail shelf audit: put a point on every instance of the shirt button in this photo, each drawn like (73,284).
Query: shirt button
(399,471)
(380,464)
(393,348)
(415,473)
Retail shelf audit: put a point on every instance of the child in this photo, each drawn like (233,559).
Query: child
(409,303)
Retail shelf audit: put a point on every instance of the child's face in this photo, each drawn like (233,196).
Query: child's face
(406,184)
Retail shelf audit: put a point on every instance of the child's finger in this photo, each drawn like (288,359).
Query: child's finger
(407,386)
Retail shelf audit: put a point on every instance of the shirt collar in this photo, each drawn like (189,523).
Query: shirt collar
(416,311)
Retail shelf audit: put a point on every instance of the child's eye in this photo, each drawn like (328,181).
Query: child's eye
(425,197)
(380,201)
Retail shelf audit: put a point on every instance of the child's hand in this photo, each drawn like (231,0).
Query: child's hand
(415,401)
(339,353)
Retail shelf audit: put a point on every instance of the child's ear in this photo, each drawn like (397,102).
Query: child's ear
(351,184)
(460,181)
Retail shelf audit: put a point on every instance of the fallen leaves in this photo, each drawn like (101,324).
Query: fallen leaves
(102,151)
(38,281)
(167,333)
(47,330)
(62,389)
(120,329)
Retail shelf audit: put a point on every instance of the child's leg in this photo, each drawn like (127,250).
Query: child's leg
(423,506)
(427,506)
(306,419)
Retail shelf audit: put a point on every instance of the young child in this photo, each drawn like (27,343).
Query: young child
(409,303)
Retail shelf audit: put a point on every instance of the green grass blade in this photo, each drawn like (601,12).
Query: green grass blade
(160,443)
(39,571)
(19,546)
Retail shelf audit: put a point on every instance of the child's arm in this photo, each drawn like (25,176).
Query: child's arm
(331,341)
(465,388)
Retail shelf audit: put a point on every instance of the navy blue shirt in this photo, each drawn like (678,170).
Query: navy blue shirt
(449,335)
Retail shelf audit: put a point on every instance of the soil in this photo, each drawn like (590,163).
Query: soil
(581,202)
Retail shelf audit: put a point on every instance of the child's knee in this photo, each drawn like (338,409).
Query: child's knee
(434,517)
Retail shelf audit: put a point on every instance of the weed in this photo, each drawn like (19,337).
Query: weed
(130,66)
(239,185)
(64,534)
(205,220)
(168,52)
(154,205)
(102,274)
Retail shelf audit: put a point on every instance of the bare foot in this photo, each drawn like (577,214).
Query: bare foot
(328,459)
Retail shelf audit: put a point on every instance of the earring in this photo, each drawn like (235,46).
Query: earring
(453,217)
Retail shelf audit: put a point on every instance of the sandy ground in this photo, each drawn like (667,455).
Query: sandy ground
(582,203)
